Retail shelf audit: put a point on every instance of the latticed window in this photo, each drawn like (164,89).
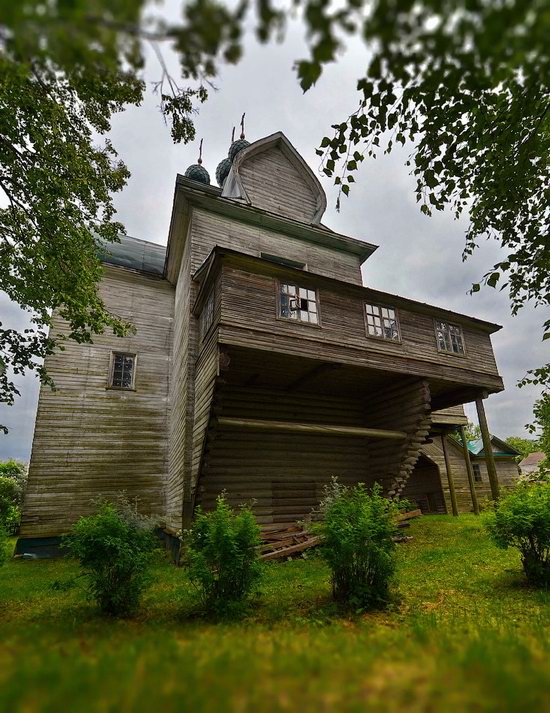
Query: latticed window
(207,315)
(123,371)
(477,473)
(298,303)
(449,338)
(382,322)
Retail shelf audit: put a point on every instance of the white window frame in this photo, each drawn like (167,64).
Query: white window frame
(380,316)
(110,384)
(298,320)
(460,332)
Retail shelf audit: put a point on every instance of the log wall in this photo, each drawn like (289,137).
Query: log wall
(93,442)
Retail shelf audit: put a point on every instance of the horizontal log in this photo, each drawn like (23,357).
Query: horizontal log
(291,427)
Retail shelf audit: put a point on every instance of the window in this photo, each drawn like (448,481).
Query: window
(298,303)
(283,261)
(382,322)
(477,473)
(207,316)
(123,371)
(449,338)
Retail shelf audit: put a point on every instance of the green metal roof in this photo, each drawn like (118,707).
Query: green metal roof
(135,254)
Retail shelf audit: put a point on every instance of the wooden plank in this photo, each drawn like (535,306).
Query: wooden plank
(290,427)
(488,449)
(469,470)
(287,551)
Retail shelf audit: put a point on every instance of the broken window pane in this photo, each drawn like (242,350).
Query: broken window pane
(298,303)
(449,337)
(382,322)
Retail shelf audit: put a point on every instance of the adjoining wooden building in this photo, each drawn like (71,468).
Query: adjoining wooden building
(261,364)
(428,484)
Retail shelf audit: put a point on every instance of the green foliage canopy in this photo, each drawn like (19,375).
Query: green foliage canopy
(10,512)
(523,445)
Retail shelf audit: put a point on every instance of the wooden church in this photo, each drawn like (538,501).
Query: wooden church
(260,364)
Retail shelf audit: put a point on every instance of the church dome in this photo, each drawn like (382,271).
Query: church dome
(237,146)
(198,173)
(221,172)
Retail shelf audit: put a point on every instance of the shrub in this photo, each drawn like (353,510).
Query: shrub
(521,519)
(221,554)
(357,528)
(113,548)
(10,512)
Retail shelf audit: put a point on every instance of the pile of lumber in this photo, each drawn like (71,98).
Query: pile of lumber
(285,540)
(403,519)
(290,539)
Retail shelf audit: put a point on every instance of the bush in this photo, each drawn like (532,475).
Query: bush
(521,519)
(357,528)
(222,557)
(10,513)
(114,548)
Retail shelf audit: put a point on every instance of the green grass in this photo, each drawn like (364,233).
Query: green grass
(465,634)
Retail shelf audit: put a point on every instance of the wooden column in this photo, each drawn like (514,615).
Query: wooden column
(469,470)
(487,449)
(449,475)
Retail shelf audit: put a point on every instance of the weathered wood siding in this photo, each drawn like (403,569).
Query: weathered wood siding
(94,442)
(209,230)
(507,473)
(271,182)
(251,299)
(182,395)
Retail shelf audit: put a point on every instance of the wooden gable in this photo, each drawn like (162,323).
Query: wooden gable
(271,175)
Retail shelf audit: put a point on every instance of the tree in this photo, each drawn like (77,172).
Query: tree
(464,82)
(18,472)
(523,445)
(472,430)
(541,417)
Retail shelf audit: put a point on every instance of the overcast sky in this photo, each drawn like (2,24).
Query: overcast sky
(418,257)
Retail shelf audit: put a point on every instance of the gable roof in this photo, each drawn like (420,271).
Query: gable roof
(533,458)
(235,189)
(502,448)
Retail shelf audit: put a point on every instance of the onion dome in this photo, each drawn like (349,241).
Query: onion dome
(197,172)
(221,172)
(237,146)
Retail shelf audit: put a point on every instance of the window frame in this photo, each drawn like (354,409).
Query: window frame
(279,283)
(203,332)
(381,337)
(450,324)
(110,384)
(476,470)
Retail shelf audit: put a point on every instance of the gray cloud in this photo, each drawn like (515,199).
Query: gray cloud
(419,257)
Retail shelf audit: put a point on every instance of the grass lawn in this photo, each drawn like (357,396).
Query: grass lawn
(465,635)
